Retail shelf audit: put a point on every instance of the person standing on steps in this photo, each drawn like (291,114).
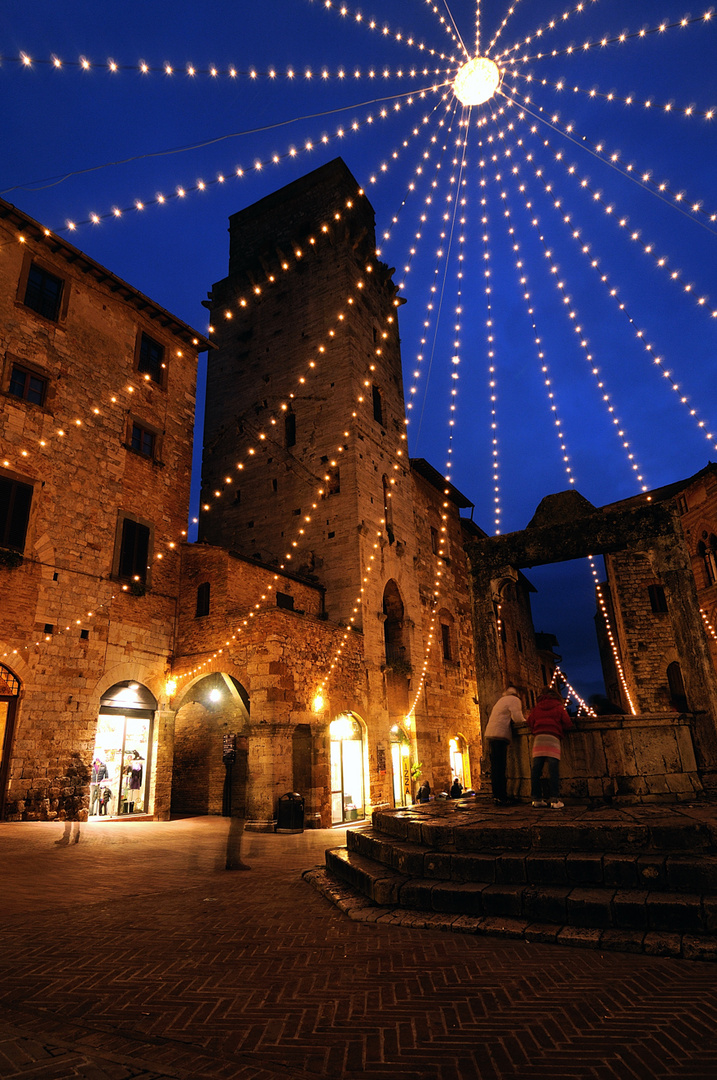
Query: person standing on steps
(548,722)
(499,731)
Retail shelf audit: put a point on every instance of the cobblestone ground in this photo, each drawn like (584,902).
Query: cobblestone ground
(135,954)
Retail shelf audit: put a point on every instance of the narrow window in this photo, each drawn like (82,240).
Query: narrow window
(708,553)
(142,440)
(15,499)
(284,600)
(151,358)
(434,540)
(27,385)
(519,639)
(388,509)
(290,430)
(446,640)
(377,404)
(134,551)
(202,600)
(43,292)
(658,601)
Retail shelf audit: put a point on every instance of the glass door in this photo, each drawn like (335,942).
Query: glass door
(347,790)
(401,767)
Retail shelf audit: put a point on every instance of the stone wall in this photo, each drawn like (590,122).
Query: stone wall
(649,758)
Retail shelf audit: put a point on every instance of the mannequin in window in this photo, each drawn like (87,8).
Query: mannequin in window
(97,775)
(133,779)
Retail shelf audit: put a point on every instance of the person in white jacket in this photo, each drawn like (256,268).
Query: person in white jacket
(499,732)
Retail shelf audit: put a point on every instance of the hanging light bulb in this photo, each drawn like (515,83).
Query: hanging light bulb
(477,81)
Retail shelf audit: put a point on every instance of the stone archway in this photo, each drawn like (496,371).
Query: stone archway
(213,707)
(565,527)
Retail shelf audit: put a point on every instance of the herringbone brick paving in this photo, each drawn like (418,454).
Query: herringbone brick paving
(134,955)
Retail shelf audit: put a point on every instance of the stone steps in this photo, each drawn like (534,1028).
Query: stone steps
(627,879)
(587,907)
(683,871)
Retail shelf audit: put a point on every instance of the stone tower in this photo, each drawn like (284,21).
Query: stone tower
(305,462)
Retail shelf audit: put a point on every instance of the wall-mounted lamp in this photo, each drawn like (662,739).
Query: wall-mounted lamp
(170,687)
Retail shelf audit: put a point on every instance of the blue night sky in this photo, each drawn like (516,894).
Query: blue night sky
(77,142)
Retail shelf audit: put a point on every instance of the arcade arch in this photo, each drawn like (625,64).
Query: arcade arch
(212,708)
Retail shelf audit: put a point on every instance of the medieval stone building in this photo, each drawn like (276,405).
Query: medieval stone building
(97,388)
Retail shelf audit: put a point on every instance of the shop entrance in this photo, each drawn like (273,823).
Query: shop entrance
(401,767)
(120,777)
(460,766)
(347,783)
(9,691)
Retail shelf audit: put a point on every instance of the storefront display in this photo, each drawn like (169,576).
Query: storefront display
(119,778)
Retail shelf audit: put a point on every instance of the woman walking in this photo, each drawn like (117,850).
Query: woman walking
(548,722)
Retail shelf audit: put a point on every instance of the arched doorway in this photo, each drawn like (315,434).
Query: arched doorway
(9,693)
(347,771)
(122,758)
(211,711)
(460,765)
(675,682)
(401,767)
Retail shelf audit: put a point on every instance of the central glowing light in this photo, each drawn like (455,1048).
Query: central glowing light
(476,81)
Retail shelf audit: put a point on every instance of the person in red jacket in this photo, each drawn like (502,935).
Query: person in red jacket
(548,722)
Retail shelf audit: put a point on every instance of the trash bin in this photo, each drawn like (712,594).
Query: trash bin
(290,813)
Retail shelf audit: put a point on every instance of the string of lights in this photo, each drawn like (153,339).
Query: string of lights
(708,625)
(239,171)
(691,110)
(501,27)
(571,313)
(491,358)
(602,42)
(644,178)
(192,71)
(370,23)
(611,635)
(524,287)
(587,250)
(583,707)
(553,24)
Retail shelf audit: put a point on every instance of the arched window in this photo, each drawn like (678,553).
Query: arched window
(707,550)
(393,628)
(678,697)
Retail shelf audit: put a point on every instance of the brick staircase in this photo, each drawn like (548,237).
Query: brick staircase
(637,879)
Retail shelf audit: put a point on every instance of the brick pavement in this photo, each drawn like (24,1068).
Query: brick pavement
(135,954)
